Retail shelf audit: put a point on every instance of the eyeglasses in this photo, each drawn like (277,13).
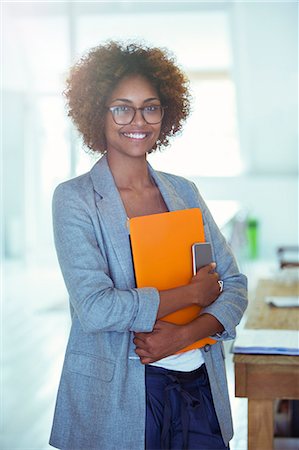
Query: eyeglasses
(124,115)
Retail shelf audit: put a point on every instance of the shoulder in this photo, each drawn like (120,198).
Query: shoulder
(78,187)
(74,197)
(174,179)
(183,187)
(177,181)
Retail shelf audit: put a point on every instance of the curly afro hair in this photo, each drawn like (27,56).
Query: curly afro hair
(94,77)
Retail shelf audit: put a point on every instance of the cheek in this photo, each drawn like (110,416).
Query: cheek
(110,129)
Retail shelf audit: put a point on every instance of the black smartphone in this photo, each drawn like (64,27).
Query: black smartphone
(201,255)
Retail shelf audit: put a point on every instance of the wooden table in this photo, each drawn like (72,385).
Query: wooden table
(264,378)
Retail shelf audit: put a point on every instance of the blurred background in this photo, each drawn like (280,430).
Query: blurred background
(240,146)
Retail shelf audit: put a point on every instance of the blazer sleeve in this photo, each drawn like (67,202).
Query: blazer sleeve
(232,302)
(97,303)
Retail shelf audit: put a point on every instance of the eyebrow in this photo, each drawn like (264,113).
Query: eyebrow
(126,100)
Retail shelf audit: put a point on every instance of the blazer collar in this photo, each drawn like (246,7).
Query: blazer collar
(171,197)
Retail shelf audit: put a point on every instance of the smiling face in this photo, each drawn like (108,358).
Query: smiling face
(138,137)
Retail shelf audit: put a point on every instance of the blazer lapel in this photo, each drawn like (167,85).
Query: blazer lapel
(113,215)
(172,199)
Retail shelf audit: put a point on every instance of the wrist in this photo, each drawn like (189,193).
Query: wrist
(172,300)
(190,294)
(193,294)
(203,326)
(186,335)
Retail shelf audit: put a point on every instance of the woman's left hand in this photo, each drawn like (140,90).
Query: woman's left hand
(165,340)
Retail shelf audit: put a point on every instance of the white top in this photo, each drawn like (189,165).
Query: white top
(184,362)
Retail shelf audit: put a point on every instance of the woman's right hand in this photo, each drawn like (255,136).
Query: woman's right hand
(204,287)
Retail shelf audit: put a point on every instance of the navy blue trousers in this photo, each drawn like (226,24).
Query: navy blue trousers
(180,413)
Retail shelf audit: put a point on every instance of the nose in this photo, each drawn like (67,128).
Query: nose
(138,118)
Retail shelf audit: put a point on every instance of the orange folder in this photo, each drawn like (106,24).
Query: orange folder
(162,256)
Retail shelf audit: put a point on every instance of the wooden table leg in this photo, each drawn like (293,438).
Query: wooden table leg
(260,424)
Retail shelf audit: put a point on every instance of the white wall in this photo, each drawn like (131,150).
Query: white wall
(272,199)
(265,68)
(265,55)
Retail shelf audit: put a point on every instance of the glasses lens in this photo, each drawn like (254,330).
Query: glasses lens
(122,115)
(153,114)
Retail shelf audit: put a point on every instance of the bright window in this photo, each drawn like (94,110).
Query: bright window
(209,144)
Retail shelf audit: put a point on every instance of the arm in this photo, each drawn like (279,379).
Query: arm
(202,290)
(99,305)
(229,308)
(167,338)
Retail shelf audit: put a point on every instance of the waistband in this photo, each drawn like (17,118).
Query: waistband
(181,376)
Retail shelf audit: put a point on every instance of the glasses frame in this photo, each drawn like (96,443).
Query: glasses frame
(111,108)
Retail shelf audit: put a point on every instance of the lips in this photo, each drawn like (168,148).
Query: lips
(135,135)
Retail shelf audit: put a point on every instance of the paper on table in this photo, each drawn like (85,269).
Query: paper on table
(283,302)
(274,342)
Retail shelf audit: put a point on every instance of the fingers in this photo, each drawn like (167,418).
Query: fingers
(206,288)
(138,342)
(141,352)
(145,343)
(145,358)
(159,342)
(210,268)
(205,271)
(144,351)
(140,336)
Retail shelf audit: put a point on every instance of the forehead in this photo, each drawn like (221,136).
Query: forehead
(134,88)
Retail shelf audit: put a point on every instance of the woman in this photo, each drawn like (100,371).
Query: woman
(122,387)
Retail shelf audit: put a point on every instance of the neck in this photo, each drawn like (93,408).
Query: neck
(129,173)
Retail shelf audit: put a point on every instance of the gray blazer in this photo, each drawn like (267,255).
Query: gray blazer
(101,398)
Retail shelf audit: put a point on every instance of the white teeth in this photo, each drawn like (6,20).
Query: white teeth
(135,135)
